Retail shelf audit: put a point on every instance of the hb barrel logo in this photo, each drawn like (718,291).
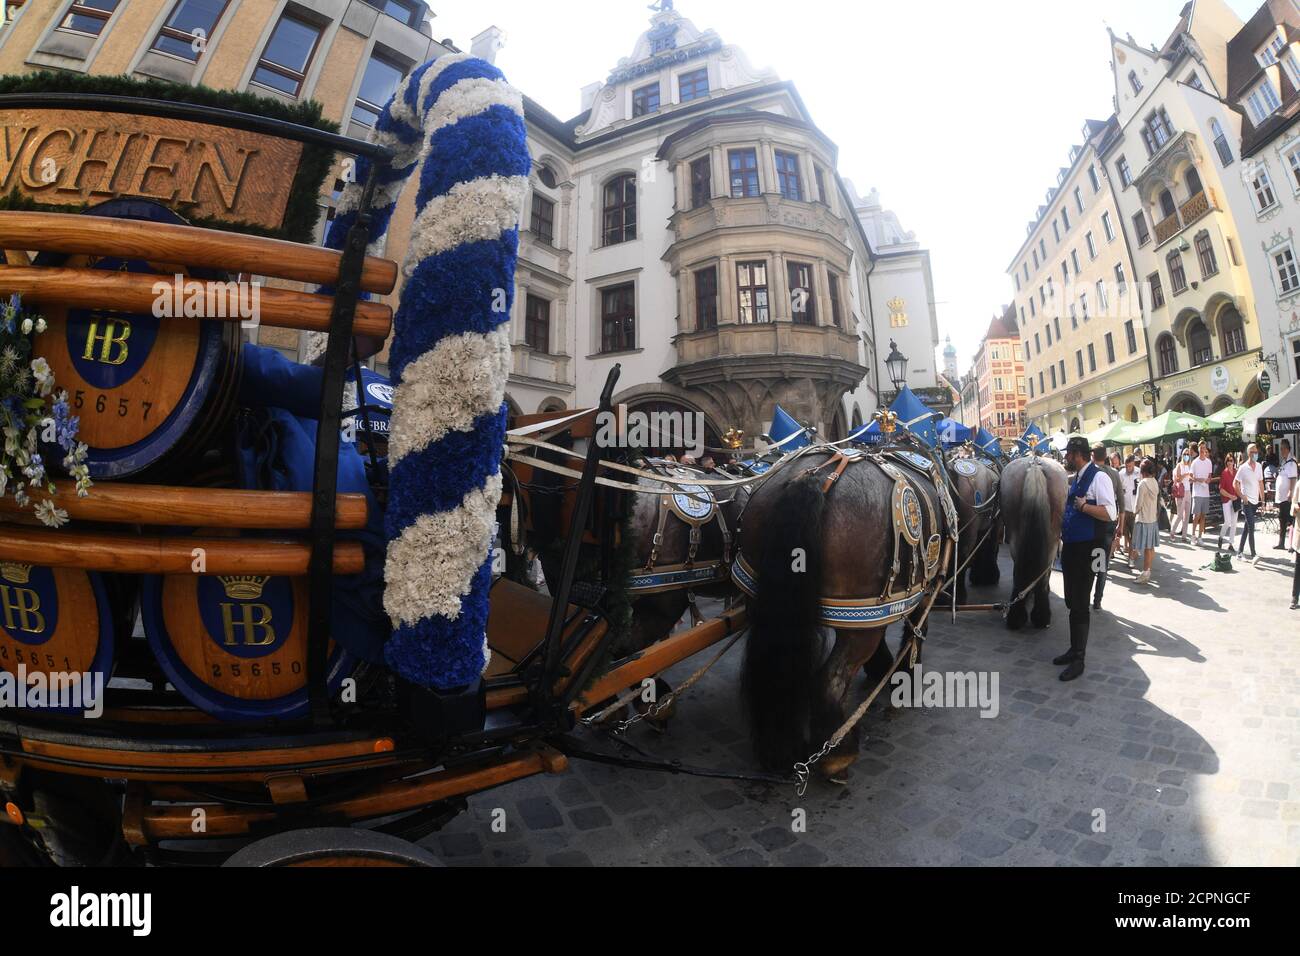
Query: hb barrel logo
(108,348)
(247,615)
(28,602)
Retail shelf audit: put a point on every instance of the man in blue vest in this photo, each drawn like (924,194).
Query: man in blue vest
(1089,506)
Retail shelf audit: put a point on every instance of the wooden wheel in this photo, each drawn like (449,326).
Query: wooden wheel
(333,846)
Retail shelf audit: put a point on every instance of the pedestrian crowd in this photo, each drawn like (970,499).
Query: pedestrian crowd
(1117,506)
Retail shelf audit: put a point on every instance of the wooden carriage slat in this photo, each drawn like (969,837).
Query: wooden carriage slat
(155,823)
(191,245)
(660,656)
(133,292)
(123,503)
(148,554)
(172,763)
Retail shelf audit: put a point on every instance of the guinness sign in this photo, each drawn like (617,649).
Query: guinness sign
(69,157)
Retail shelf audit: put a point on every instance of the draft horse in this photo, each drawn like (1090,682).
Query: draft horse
(832,539)
(975,487)
(671,547)
(1033,491)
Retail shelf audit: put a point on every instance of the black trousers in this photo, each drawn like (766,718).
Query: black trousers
(1078,574)
(1103,544)
(1283,521)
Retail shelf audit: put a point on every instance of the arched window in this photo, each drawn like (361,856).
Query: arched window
(619,208)
(1074,426)
(546,175)
(1167,352)
(1167,205)
(1221,143)
(1193,182)
(1232,334)
(1198,343)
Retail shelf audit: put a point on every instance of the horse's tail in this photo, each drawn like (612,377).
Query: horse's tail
(1035,521)
(781,653)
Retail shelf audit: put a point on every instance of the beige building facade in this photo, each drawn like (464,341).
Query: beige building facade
(1171,165)
(1076,305)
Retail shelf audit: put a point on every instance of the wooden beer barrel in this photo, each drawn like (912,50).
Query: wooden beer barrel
(57,621)
(235,645)
(148,391)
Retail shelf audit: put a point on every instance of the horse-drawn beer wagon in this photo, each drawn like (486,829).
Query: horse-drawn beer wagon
(257,620)
(211,565)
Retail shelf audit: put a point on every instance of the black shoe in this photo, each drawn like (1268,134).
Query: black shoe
(1295,606)
(1067,658)
(1096,605)
(1074,670)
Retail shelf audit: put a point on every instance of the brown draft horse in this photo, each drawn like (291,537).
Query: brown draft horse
(975,486)
(1033,491)
(806,544)
(636,516)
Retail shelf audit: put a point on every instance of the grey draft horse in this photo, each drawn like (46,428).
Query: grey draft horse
(1033,491)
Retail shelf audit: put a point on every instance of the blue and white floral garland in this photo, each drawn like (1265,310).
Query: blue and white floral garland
(461,125)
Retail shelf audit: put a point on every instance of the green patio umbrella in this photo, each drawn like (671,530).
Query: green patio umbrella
(1231,415)
(1171,425)
(1116,433)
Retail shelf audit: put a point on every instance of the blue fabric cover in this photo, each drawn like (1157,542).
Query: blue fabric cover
(277,452)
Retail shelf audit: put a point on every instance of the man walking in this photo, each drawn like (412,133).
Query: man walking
(1090,502)
(1286,479)
(1106,531)
(1249,486)
(1129,480)
(1202,470)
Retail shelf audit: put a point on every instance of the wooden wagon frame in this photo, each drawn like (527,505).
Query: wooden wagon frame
(409,765)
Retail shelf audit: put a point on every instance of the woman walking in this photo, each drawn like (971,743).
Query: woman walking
(1146,529)
(1231,501)
(1182,492)
(1249,485)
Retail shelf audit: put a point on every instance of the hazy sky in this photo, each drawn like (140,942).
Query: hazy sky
(960,113)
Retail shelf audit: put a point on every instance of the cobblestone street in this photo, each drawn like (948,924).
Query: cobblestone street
(1183,731)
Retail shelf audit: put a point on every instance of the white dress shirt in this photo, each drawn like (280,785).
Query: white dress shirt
(1102,492)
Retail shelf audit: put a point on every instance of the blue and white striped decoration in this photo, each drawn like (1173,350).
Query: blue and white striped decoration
(461,125)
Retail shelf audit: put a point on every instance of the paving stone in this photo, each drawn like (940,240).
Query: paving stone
(539,813)
(1021,829)
(1091,852)
(986,846)
(723,799)
(590,818)
(716,841)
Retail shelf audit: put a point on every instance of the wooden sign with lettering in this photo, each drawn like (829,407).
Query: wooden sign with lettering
(74,157)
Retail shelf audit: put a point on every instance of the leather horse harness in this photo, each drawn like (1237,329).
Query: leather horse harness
(696,507)
(908,503)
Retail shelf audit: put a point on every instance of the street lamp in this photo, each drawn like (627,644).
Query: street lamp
(1114,414)
(896,363)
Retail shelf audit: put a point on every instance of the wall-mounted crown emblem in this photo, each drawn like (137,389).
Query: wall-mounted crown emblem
(15,572)
(243,587)
(897,312)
